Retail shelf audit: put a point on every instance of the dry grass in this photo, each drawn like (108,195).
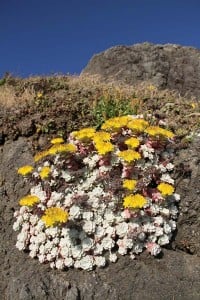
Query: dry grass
(182,114)
(10,97)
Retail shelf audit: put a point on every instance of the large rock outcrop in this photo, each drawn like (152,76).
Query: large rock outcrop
(174,276)
(166,66)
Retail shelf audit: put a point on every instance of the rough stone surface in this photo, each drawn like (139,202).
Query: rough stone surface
(166,66)
(175,275)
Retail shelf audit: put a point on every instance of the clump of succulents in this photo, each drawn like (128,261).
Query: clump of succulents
(99,195)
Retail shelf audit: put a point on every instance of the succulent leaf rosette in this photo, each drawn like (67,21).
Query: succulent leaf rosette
(99,195)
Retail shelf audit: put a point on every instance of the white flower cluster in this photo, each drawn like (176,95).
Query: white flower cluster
(98,227)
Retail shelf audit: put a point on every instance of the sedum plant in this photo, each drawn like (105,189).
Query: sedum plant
(99,195)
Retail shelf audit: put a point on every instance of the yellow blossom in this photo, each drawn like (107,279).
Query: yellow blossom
(129,155)
(129,184)
(29,200)
(104,147)
(25,170)
(137,124)
(44,173)
(57,140)
(41,155)
(151,88)
(84,134)
(159,131)
(132,142)
(39,95)
(59,148)
(54,215)
(101,136)
(165,188)
(116,123)
(134,201)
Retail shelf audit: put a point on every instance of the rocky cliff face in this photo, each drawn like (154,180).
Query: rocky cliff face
(175,275)
(166,66)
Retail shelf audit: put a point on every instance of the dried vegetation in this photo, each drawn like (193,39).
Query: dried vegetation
(55,105)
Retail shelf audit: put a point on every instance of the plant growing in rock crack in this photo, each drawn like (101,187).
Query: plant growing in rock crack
(99,195)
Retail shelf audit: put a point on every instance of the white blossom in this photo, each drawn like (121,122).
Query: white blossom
(100,261)
(163,240)
(107,243)
(112,257)
(75,212)
(60,264)
(89,226)
(121,229)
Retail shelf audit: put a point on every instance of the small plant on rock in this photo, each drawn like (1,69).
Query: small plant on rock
(99,195)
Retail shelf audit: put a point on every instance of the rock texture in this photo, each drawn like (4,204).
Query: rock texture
(166,66)
(175,275)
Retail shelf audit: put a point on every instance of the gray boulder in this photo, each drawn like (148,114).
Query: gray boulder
(165,66)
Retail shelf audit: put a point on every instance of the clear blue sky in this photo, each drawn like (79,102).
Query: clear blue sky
(60,36)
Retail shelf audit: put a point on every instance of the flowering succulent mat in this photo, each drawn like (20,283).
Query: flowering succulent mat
(100,194)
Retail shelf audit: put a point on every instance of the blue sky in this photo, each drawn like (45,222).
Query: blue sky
(46,36)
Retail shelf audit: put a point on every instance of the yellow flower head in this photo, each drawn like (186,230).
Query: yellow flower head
(41,155)
(104,147)
(129,184)
(151,88)
(57,140)
(165,188)
(39,95)
(25,170)
(137,124)
(84,134)
(159,131)
(101,136)
(114,124)
(134,201)
(132,142)
(59,148)
(29,200)
(129,155)
(54,216)
(44,173)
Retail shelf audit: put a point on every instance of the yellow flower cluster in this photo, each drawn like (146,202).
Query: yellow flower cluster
(25,170)
(44,173)
(101,136)
(54,215)
(129,184)
(132,142)
(165,188)
(116,123)
(134,201)
(29,200)
(137,125)
(84,134)
(57,140)
(59,148)
(104,147)
(129,155)
(41,155)
(159,131)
